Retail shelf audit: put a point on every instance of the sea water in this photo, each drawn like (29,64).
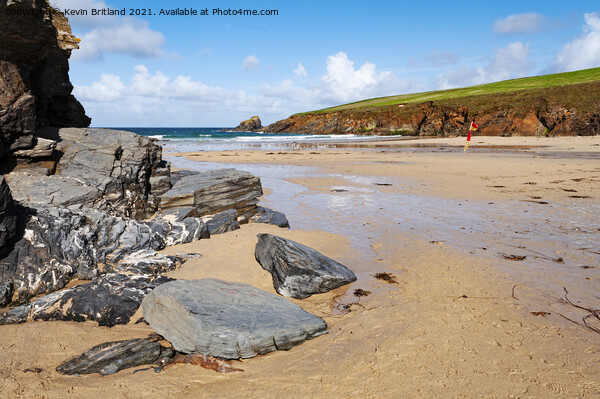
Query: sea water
(222,139)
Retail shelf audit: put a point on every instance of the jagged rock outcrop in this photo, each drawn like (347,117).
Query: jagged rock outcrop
(553,111)
(35,90)
(227,320)
(59,244)
(215,191)
(111,357)
(299,271)
(8,222)
(250,125)
(109,300)
(99,168)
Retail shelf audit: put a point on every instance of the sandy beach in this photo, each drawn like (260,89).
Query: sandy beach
(464,318)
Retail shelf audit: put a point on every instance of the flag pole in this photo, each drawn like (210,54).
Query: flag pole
(469,136)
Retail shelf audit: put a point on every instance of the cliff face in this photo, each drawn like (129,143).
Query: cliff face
(35,90)
(559,111)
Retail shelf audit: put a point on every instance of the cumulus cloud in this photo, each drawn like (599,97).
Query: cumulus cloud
(145,84)
(300,71)
(341,83)
(131,37)
(508,62)
(514,24)
(109,88)
(250,63)
(581,53)
(151,98)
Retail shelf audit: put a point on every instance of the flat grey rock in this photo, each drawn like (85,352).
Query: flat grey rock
(227,320)
(111,357)
(299,271)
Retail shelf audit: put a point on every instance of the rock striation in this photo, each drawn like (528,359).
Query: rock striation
(60,244)
(111,357)
(299,271)
(215,191)
(227,320)
(109,300)
(99,168)
(250,125)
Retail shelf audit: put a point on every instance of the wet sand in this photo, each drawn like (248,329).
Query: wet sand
(462,321)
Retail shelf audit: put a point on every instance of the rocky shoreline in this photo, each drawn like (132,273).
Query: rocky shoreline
(95,206)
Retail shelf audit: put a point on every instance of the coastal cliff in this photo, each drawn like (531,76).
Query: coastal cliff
(35,90)
(561,110)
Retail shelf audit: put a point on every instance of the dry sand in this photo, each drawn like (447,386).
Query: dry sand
(459,323)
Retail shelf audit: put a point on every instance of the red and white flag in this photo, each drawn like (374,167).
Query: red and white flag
(472,128)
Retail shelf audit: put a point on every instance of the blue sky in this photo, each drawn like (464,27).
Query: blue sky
(218,70)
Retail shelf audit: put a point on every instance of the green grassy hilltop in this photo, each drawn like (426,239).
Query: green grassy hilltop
(506,86)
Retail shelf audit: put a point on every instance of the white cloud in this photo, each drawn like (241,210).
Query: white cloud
(508,62)
(250,63)
(109,88)
(583,52)
(300,71)
(131,36)
(152,98)
(144,84)
(341,83)
(519,24)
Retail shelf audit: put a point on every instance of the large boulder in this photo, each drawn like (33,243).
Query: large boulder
(111,357)
(299,271)
(109,300)
(227,320)
(215,191)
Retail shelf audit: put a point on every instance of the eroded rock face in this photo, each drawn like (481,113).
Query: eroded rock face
(60,244)
(553,111)
(117,164)
(8,221)
(35,90)
(299,271)
(111,357)
(215,191)
(227,320)
(109,300)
